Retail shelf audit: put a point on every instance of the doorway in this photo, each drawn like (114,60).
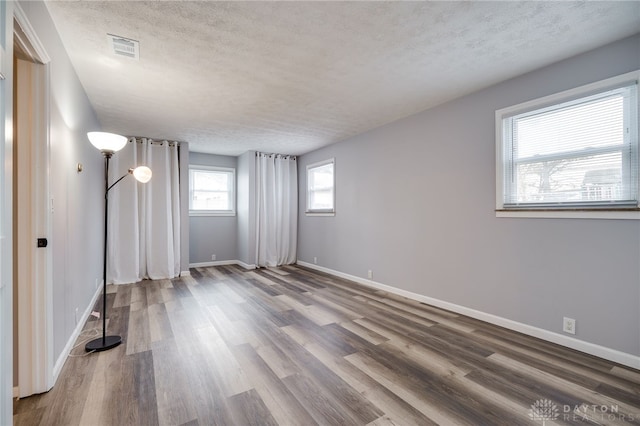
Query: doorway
(32,331)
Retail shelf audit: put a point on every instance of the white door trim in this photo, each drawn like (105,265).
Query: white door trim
(35,298)
(6,212)
(30,43)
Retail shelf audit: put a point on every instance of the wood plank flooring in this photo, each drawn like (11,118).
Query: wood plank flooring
(291,346)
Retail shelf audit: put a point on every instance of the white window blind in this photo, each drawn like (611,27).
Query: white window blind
(578,153)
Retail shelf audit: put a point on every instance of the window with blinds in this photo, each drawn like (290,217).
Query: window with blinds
(211,191)
(576,150)
(320,188)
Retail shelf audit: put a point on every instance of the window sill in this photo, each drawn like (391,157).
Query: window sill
(624,214)
(320,213)
(211,213)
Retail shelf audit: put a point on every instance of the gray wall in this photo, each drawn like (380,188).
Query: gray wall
(184,206)
(212,234)
(415,204)
(246,209)
(76,240)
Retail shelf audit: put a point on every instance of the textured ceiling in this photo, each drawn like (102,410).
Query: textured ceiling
(290,77)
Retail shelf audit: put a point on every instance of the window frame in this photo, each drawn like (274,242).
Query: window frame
(595,211)
(232,190)
(321,212)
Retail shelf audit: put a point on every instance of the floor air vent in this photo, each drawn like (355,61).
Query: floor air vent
(124,46)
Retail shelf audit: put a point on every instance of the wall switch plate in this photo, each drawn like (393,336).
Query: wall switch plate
(569,325)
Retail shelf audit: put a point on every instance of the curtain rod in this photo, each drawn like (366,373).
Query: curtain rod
(293,157)
(138,139)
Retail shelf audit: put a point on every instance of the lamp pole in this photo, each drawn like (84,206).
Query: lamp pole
(106,342)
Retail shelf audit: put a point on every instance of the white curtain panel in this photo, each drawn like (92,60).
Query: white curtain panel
(277,209)
(144,219)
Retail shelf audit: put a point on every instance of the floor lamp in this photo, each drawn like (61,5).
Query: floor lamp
(108,144)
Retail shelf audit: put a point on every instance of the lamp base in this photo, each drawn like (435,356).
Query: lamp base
(100,344)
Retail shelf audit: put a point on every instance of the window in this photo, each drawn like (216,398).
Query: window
(577,150)
(212,191)
(321,188)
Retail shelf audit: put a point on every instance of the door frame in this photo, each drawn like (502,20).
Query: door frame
(35,297)
(6,211)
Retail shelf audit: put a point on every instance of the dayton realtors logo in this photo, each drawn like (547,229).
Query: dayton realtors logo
(544,410)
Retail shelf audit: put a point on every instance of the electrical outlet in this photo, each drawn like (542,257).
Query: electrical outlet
(315,260)
(97,282)
(76,316)
(213,257)
(569,325)
(370,274)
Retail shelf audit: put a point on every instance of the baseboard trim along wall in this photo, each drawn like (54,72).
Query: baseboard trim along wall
(16,392)
(222,263)
(570,342)
(57,368)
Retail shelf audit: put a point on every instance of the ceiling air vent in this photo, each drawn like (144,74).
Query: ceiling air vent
(124,46)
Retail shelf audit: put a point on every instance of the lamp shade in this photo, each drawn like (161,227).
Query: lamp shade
(142,174)
(107,142)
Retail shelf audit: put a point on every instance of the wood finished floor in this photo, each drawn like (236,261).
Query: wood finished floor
(292,346)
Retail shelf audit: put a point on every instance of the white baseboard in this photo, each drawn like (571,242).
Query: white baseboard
(550,336)
(245,265)
(213,263)
(57,368)
(16,392)
(222,263)
(185,273)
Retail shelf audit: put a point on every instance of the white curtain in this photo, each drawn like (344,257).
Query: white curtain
(144,219)
(277,209)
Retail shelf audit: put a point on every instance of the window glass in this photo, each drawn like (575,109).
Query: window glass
(320,187)
(211,190)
